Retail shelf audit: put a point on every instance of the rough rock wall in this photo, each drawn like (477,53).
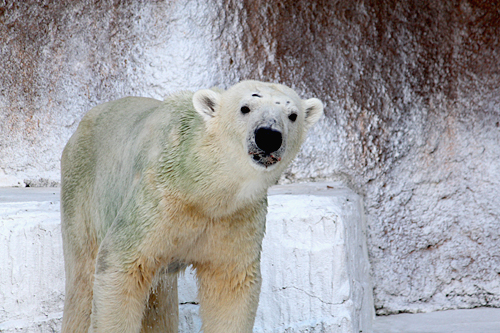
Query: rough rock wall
(412,121)
(412,110)
(60,58)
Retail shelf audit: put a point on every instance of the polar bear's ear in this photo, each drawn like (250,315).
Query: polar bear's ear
(206,102)
(314,111)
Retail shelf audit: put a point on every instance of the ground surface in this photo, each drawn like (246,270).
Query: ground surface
(480,320)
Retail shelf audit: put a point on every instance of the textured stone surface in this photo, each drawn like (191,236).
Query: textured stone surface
(412,110)
(63,57)
(314,263)
(412,122)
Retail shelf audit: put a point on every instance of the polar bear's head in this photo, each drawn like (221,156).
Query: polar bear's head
(267,122)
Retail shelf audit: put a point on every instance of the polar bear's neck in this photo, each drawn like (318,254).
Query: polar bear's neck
(224,189)
(212,177)
(217,196)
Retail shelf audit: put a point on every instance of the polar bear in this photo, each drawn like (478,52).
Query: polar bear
(150,187)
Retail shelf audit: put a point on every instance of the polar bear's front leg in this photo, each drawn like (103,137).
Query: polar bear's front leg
(121,289)
(229,296)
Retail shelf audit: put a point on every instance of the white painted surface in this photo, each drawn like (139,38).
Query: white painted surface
(314,263)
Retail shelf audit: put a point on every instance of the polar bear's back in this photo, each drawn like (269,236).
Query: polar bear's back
(103,156)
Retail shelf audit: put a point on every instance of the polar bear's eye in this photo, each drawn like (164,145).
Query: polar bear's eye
(245,109)
(292,117)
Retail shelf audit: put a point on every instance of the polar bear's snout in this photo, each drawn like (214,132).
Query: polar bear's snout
(268,139)
(266,145)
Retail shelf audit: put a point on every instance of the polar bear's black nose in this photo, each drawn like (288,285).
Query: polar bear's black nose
(268,139)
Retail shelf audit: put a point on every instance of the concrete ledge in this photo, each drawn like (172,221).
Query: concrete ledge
(314,263)
(32,278)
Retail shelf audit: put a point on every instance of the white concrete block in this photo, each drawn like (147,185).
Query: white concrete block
(31,265)
(314,263)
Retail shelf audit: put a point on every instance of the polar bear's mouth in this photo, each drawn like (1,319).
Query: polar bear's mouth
(263,159)
(266,146)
